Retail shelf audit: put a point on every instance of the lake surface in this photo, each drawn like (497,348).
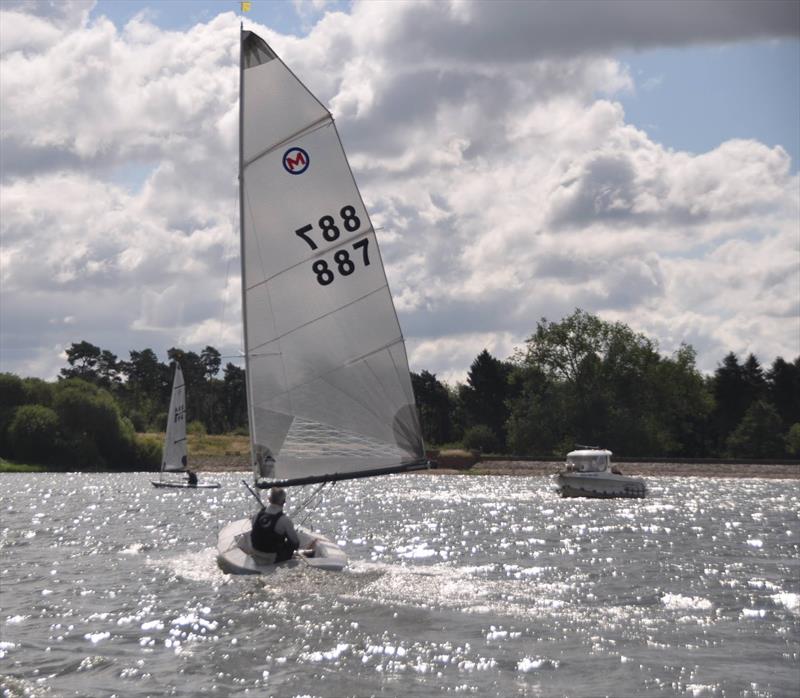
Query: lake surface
(486,586)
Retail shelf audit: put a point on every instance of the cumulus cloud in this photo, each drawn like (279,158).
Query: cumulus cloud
(500,171)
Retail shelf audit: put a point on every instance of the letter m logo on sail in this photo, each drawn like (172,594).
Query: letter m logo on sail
(296,161)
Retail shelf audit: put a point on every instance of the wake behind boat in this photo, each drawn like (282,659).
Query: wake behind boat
(174,456)
(589,473)
(328,385)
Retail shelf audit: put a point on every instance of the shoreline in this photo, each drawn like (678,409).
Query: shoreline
(530,468)
(508,467)
(780,471)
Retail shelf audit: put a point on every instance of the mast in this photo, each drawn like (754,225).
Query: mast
(247,376)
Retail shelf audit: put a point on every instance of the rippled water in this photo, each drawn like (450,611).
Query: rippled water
(488,586)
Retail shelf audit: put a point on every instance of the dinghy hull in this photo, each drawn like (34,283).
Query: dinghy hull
(186,486)
(235,556)
(600,486)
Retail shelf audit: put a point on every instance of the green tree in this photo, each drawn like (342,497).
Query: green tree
(93,432)
(755,382)
(37,392)
(93,364)
(12,395)
(590,381)
(481,438)
(83,358)
(148,386)
(538,423)
(758,435)
(600,368)
(734,388)
(783,389)
(12,391)
(433,402)
(33,434)
(793,440)
(146,374)
(684,404)
(234,396)
(211,360)
(485,395)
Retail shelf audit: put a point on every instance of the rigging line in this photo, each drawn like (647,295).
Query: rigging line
(225,295)
(316,319)
(316,504)
(308,500)
(305,131)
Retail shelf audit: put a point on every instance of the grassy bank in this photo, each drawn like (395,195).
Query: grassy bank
(7,466)
(203,445)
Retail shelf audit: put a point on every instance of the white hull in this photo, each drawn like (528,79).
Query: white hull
(234,554)
(186,485)
(601,485)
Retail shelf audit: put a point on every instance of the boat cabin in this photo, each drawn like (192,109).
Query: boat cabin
(588,460)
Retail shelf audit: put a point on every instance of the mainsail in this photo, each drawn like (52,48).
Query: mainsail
(329,390)
(174,456)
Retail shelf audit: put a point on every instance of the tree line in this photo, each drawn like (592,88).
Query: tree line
(580,380)
(90,416)
(585,380)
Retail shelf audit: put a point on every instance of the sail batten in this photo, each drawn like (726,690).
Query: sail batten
(299,327)
(320,253)
(320,123)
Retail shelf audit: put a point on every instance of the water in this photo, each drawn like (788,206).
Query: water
(486,586)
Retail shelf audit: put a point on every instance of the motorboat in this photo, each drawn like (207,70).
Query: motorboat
(589,473)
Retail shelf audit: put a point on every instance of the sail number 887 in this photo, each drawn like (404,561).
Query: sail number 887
(330,233)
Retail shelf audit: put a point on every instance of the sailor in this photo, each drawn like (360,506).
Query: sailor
(273,531)
(191,478)
(265,463)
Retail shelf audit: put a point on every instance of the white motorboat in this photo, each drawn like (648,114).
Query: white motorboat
(589,473)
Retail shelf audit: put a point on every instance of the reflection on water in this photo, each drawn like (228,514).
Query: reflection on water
(487,586)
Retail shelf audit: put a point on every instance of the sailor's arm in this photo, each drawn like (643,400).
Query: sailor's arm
(289,531)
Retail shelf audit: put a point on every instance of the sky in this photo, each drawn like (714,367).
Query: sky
(519,159)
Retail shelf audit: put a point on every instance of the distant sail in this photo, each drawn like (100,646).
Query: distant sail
(329,389)
(174,456)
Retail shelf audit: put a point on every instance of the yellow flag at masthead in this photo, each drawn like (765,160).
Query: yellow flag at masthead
(246,6)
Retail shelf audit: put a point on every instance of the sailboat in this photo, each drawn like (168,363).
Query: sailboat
(328,385)
(174,456)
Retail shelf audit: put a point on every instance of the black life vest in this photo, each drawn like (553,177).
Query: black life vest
(263,537)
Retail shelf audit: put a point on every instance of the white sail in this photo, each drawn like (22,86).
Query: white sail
(329,389)
(174,456)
